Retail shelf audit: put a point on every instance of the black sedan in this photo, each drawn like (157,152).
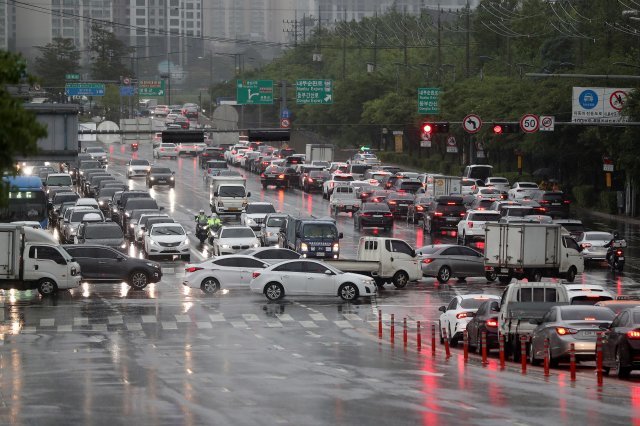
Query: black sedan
(275,176)
(315,180)
(161,176)
(375,215)
(211,153)
(399,203)
(101,264)
(621,348)
(485,320)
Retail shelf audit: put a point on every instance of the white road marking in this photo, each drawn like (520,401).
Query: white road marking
(29,329)
(99,327)
(203,324)
(239,324)
(295,355)
(47,322)
(134,326)
(352,317)
(182,318)
(169,325)
(278,347)
(168,270)
(115,319)
(250,317)
(308,324)
(64,328)
(149,319)
(318,317)
(78,321)
(343,324)
(274,324)
(217,317)
(284,317)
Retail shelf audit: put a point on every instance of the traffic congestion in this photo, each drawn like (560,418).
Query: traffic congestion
(258,227)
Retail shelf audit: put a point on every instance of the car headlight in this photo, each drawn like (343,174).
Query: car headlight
(101,202)
(131,225)
(152,178)
(336,247)
(171,178)
(256,245)
(304,247)
(130,169)
(250,221)
(225,246)
(186,241)
(115,210)
(153,265)
(127,214)
(269,234)
(152,242)
(123,245)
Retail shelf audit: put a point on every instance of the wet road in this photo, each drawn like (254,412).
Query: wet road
(171,355)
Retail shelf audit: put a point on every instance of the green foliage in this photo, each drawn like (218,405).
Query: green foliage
(109,55)
(111,102)
(607,202)
(19,129)
(584,195)
(56,59)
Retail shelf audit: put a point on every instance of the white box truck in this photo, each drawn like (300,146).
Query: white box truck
(32,258)
(228,195)
(531,250)
(438,185)
(319,152)
(384,259)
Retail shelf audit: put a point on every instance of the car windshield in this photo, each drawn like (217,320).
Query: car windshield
(77,216)
(167,230)
(231,191)
(275,221)
(260,208)
(237,233)
(343,178)
(520,212)
(161,170)
(472,303)
(108,192)
(587,314)
(528,185)
(485,217)
(139,163)
(320,230)
(59,180)
(595,236)
(103,232)
(141,203)
(319,174)
(61,198)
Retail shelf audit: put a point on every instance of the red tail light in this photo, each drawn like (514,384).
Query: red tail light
(161,149)
(463,214)
(461,315)
(255,274)
(585,245)
(544,202)
(309,180)
(233,152)
(392,202)
(633,334)
(480,245)
(437,213)
(619,252)
(208,170)
(567,202)
(366,214)
(563,331)
(427,261)
(470,224)
(492,323)
(193,269)
(261,175)
(265,163)
(388,215)
(451,204)
(280,176)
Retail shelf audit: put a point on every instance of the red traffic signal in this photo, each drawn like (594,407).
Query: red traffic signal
(426,128)
(500,128)
(436,127)
(497,129)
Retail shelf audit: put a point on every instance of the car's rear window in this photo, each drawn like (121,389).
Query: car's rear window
(589,300)
(528,185)
(378,207)
(410,186)
(472,303)
(537,294)
(498,180)
(598,236)
(343,178)
(552,197)
(450,208)
(485,217)
(597,314)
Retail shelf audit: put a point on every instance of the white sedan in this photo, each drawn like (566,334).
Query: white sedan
(232,239)
(305,277)
(227,271)
(458,313)
(521,190)
(137,168)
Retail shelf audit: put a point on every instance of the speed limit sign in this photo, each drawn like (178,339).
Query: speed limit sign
(530,123)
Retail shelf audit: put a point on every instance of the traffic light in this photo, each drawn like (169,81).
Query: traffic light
(439,127)
(500,128)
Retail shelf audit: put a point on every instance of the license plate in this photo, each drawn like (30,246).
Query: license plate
(320,253)
(233,209)
(588,333)
(162,181)
(504,270)
(452,219)
(555,204)
(377,215)
(621,258)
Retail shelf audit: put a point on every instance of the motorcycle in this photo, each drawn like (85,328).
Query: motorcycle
(202,232)
(615,259)
(134,147)
(212,233)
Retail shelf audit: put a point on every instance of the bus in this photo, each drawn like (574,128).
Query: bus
(27,200)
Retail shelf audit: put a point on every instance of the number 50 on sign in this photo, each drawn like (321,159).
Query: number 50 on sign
(529,123)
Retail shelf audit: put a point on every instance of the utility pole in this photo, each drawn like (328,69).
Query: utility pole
(375,41)
(468,61)
(304,27)
(439,41)
(344,45)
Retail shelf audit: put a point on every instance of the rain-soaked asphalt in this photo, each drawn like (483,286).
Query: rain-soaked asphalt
(103,354)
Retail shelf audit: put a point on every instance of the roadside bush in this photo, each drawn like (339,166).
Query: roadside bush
(607,202)
(584,196)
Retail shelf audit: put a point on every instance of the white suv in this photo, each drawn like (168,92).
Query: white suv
(471,228)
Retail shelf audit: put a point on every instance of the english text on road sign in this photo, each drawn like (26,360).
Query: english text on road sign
(547,123)
(254,92)
(314,92)
(151,88)
(84,89)
(472,123)
(529,123)
(452,149)
(429,100)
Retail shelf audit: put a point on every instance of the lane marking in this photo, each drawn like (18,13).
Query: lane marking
(80,321)
(182,318)
(149,319)
(47,322)
(169,325)
(318,317)
(308,324)
(250,317)
(204,325)
(217,317)
(63,328)
(343,324)
(352,317)
(134,326)
(115,319)
(285,317)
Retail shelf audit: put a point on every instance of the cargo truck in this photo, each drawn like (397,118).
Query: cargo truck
(32,258)
(228,195)
(311,237)
(531,250)
(319,152)
(438,185)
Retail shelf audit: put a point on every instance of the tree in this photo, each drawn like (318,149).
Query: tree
(19,129)
(108,55)
(57,59)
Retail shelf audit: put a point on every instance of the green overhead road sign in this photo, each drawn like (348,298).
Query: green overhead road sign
(151,87)
(254,92)
(84,89)
(72,76)
(428,100)
(314,92)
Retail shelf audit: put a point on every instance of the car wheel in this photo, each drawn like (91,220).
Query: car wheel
(400,279)
(210,285)
(453,341)
(348,292)
(444,275)
(622,371)
(274,291)
(138,280)
(535,276)
(464,239)
(504,280)
(47,287)
(532,357)
(571,274)
(490,276)
(440,332)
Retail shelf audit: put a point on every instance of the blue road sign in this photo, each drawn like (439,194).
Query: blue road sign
(127,90)
(588,99)
(285,113)
(84,89)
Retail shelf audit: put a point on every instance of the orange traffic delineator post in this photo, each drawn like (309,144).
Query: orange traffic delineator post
(501,349)
(418,337)
(393,329)
(572,361)
(599,374)
(547,357)
(484,348)
(523,353)
(405,338)
(465,345)
(433,339)
(447,351)
(379,324)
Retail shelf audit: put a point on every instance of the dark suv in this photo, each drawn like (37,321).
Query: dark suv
(554,204)
(444,213)
(102,264)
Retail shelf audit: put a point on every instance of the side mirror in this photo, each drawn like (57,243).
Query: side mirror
(328,272)
(604,326)
(215,194)
(442,308)
(248,194)
(120,258)
(161,208)
(340,236)
(413,253)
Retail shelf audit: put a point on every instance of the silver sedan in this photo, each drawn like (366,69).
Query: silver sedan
(592,244)
(563,325)
(444,261)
